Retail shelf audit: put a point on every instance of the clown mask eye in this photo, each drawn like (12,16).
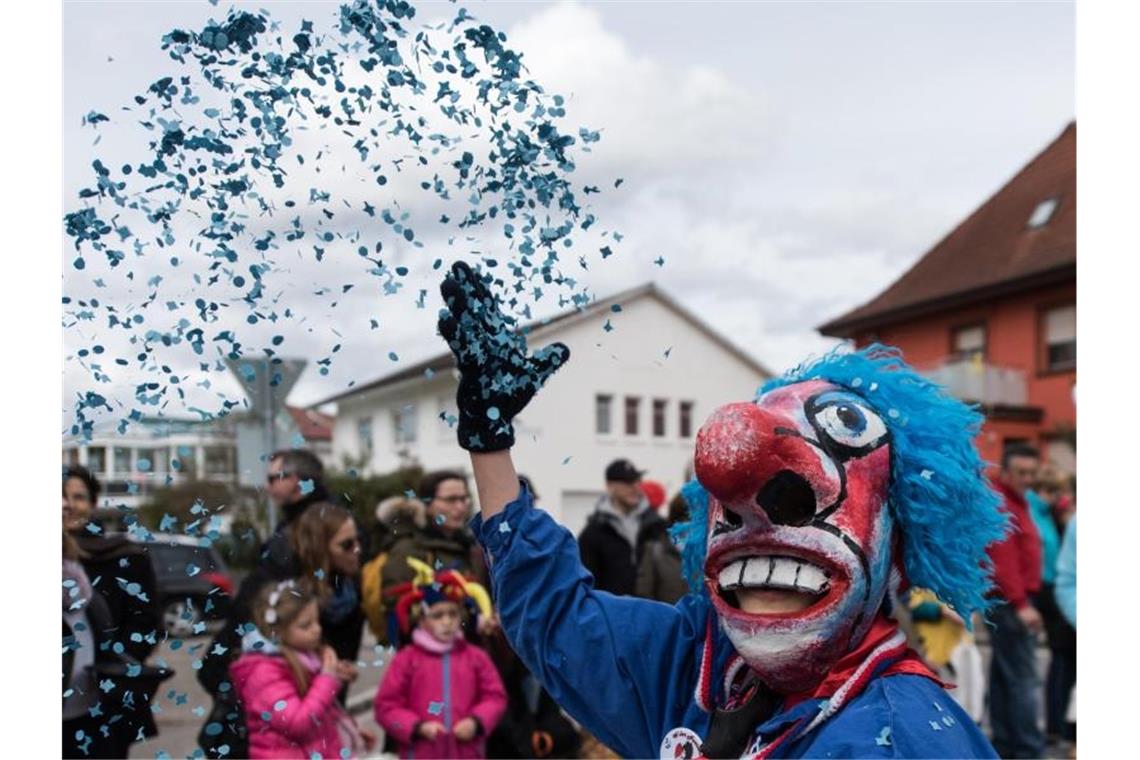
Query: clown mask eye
(846,423)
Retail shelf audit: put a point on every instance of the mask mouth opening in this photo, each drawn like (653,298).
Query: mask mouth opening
(766,584)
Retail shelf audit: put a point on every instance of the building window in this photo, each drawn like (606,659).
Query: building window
(603,412)
(632,412)
(151,460)
(97,459)
(364,435)
(185,462)
(968,342)
(71,457)
(1042,213)
(1060,333)
(404,424)
(220,461)
(685,419)
(659,405)
(121,458)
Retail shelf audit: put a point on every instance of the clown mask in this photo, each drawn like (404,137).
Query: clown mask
(799,533)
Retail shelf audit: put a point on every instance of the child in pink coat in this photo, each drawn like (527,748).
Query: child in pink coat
(288,682)
(441,696)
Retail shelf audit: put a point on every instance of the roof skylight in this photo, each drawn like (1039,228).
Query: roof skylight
(1042,214)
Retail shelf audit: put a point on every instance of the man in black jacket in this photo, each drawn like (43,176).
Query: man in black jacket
(294,482)
(616,534)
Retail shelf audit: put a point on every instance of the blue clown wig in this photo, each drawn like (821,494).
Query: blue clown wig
(940,499)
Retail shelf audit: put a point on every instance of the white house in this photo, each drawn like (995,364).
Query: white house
(154,453)
(640,390)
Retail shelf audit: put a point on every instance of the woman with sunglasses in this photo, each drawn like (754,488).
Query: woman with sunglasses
(327,547)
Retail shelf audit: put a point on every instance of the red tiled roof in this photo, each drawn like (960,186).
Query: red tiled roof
(312,425)
(993,252)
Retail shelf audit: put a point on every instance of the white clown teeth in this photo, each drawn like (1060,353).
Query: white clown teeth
(771,572)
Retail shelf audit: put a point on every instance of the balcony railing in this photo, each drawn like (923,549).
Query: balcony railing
(982,383)
(119,483)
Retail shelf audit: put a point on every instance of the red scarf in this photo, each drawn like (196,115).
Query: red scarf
(882,629)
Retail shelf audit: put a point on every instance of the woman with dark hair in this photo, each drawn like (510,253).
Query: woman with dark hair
(123,615)
(443,542)
(327,546)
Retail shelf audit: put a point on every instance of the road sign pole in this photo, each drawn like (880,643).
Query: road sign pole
(270,442)
(266,383)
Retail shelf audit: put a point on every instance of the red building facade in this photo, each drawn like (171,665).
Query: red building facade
(990,311)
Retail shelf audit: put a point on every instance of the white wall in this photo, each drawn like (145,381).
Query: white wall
(559,424)
(629,361)
(434,447)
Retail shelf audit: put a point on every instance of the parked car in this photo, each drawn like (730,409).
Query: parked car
(194,585)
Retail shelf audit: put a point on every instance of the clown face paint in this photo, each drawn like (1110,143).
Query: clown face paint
(799,546)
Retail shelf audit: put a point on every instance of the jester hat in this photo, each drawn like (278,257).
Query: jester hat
(430,587)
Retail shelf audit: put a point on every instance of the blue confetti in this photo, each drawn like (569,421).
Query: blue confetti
(280,705)
(504,527)
(884,737)
(435,708)
(306,486)
(225,163)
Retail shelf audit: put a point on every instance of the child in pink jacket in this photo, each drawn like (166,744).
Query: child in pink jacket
(441,696)
(288,682)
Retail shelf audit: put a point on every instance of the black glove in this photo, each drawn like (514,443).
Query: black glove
(497,379)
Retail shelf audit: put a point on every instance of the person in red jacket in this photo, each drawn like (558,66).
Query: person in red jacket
(441,696)
(1014,684)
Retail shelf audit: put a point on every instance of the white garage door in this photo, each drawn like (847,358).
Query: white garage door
(577,507)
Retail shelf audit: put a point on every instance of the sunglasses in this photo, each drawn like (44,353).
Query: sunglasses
(454,499)
(278,476)
(447,612)
(348,544)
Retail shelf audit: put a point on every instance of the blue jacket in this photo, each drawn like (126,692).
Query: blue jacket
(1042,515)
(633,670)
(1066,589)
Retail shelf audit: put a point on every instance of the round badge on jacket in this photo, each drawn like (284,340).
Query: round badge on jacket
(681,744)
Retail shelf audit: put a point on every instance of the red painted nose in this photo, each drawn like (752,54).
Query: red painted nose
(734,451)
(748,456)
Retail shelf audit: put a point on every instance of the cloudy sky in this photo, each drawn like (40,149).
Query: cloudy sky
(788,160)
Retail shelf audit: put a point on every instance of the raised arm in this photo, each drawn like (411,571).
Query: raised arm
(495,480)
(623,667)
(497,379)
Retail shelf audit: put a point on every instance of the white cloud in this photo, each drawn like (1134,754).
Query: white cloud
(778,202)
(655,117)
